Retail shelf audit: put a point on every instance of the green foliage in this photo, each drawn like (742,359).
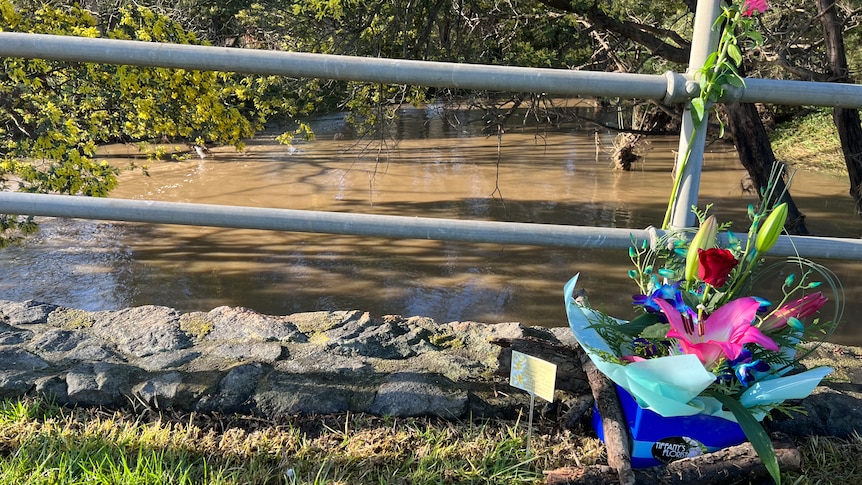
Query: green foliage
(14,228)
(47,444)
(519,33)
(829,460)
(14,412)
(719,71)
(54,114)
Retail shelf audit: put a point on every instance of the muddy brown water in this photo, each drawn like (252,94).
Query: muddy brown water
(435,170)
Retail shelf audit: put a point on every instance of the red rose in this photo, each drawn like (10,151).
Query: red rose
(715,265)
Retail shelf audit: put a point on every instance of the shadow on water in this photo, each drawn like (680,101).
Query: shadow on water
(558,178)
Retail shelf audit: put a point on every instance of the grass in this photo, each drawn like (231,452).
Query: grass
(810,143)
(829,460)
(45,444)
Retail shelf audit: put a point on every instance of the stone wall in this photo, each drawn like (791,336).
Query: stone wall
(235,360)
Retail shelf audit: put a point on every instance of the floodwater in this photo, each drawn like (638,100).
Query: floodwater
(437,169)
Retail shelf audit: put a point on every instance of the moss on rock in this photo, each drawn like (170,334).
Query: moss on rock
(71,319)
(196,326)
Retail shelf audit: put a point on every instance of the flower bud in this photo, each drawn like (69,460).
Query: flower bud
(801,308)
(704,239)
(750,7)
(666,273)
(771,228)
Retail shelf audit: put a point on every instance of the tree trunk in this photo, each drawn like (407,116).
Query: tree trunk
(846,120)
(755,153)
(629,145)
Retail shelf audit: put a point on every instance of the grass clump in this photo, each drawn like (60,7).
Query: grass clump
(829,460)
(42,443)
(810,143)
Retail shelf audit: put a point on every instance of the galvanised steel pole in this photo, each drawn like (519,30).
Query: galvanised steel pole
(670,87)
(703,42)
(564,82)
(400,227)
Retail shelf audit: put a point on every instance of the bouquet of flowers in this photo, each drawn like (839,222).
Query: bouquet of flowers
(705,341)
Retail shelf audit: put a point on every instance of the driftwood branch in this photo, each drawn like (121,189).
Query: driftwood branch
(614,426)
(727,466)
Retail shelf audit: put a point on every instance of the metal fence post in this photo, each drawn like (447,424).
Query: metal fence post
(704,40)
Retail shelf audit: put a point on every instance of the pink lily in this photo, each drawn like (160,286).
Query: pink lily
(799,309)
(722,334)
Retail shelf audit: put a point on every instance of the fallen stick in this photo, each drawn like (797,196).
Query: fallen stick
(614,425)
(735,464)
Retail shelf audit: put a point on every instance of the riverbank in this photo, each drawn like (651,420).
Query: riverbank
(235,360)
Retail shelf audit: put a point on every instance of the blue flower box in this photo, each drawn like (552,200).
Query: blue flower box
(657,440)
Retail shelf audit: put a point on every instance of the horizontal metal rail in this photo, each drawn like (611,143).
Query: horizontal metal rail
(325,66)
(400,227)
(671,87)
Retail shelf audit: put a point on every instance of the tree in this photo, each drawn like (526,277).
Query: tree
(472,31)
(846,120)
(807,42)
(53,115)
(785,27)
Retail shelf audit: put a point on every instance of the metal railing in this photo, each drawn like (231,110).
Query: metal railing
(325,66)
(401,227)
(670,87)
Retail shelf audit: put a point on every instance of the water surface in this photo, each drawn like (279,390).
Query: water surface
(437,169)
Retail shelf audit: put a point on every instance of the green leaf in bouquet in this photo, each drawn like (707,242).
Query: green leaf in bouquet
(690,299)
(716,299)
(656,331)
(640,323)
(619,335)
(754,432)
